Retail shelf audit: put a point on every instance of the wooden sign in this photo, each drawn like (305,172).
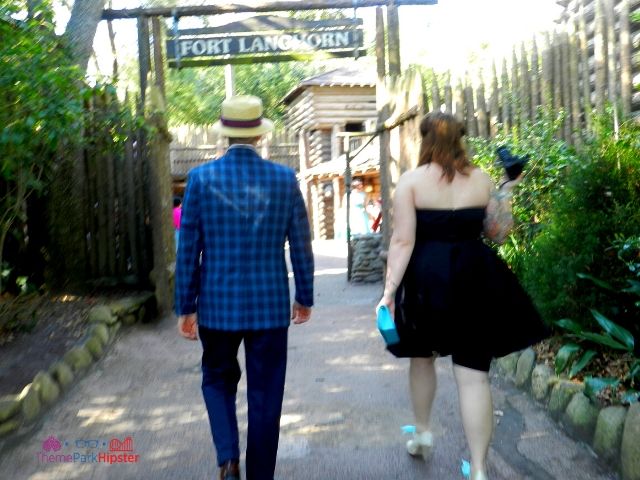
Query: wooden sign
(265,39)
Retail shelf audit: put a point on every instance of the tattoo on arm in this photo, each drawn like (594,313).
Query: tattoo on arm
(499,220)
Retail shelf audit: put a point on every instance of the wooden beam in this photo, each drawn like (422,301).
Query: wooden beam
(158,55)
(393,38)
(295,57)
(266,6)
(144,58)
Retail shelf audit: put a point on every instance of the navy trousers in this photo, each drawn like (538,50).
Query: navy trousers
(266,364)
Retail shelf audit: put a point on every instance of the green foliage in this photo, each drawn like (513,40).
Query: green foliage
(613,336)
(543,177)
(594,206)
(39,109)
(594,385)
(195,95)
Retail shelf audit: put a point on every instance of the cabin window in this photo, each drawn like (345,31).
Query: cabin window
(354,127)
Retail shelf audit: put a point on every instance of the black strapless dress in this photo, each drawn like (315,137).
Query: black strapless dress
(457,295)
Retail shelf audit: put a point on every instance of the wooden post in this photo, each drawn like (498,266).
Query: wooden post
(612,67)
(574,82)
(585,75)
(535,79)
(229,81)
(483,126)
(160,200)
(459,102)
(338,216)
(525,86)
(505,97)
(144,59)
(625,59)
(470,111)
(382,103)
(600,56)
(393,34)
(546,83)
(515,89)
(435,94)
(158,56)
(130,208)
(557,74)
(494,102)
(566,87)
(109,189)
(448,94)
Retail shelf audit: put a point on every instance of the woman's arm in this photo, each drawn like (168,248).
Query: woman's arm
(498,221)
(402,240)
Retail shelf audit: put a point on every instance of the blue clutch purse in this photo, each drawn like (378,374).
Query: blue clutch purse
(387,326)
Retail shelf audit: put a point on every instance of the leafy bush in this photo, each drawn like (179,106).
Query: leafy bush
(542,178)
(40,107)
(596,205)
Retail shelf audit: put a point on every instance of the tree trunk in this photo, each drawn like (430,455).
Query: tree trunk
(81,29)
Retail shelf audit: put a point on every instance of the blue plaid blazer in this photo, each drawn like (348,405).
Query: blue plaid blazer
(237,213)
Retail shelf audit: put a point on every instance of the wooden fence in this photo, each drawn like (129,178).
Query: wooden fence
(193,145)
(590,60)
(115,196)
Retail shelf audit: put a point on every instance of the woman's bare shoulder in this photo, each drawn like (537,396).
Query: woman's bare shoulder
(481,176)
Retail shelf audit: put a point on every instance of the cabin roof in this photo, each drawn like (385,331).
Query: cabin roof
(359,76)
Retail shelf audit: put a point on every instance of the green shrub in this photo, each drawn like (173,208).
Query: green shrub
(596,204)
(549,157)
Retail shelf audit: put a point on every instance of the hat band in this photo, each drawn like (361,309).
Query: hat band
(241,123)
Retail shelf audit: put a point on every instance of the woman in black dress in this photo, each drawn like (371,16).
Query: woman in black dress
(450,293)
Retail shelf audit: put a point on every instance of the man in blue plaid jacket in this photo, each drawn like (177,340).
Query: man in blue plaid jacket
(232,284)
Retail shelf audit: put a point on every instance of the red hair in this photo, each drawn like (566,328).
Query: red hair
(442,144)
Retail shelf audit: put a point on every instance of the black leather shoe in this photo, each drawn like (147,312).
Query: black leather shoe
(230,471)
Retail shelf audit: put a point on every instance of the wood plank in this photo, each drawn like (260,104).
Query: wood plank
(535,78)
(270,23)
(626,86)
(600,57)
(494,102)
(483,124)
(525,87)
(612,67)
(110,199)
(471,122)
(144,59)
(585,80)
(158,55)
(243,60)
(505,89)
(566,85)
(393,39)
(574,82)
(265,6)
(448,94)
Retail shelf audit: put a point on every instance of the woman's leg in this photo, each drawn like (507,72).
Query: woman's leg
(477,414)
(423,383)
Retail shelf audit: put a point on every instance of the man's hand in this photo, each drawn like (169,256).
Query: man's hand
(300,313)
(188,326)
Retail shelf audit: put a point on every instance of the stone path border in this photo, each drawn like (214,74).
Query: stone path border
(20,412)
(612,432)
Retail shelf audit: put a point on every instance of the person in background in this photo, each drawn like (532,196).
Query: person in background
(358,215)
(177,215)
(232,284)
(449,291)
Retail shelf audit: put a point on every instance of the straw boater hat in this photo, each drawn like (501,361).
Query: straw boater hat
(241,117)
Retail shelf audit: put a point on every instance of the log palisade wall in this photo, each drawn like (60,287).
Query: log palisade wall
(591,60)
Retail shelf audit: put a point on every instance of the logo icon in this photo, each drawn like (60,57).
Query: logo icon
(116,445)
(51,444)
